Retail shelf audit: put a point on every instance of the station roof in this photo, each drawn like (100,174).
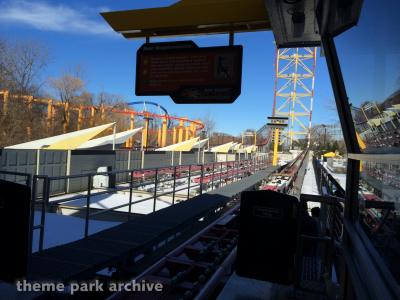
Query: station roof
(120,138)
(237,147)
(224,148)
(191,17)
(248,149)
(182,146)
(200,144)
(67,141)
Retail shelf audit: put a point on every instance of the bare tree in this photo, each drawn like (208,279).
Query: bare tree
(68,88)
(21,65)
(209,124)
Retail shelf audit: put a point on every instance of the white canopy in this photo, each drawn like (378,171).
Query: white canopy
(182,146)
(120,138)
(67,141)
(200,144)
(224,148)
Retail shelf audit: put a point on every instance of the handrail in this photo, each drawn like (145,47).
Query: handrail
(27,175)
(240,168)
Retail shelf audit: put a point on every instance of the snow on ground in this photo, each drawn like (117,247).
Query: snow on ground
(310,183)
(340,178)
(113,199)
(61,229)
(105,201)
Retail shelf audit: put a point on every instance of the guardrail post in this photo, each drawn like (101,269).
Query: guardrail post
(130,196)
(155,190)
(32,214)
(89,186)
(45,201)
(212,176)
(220,175)
(201,179)
(173,187)
(190,171)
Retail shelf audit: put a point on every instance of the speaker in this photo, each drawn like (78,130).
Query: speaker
(267,236)
(14,230)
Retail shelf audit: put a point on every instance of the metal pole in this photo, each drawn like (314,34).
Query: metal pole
(130,196)
(45,200)
(32,214)
(201,179)
(190,171)
(89,186)
(212,176)
(173,187)
(68,169)
(220,175)
(155,190)
(114,133)
(37,161)
(129,159)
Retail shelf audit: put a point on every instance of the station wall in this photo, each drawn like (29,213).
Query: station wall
(53,163)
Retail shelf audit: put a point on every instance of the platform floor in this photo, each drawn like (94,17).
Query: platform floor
(85,257)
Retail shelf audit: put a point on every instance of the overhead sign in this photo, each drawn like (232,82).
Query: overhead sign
(278,122)
(189,74)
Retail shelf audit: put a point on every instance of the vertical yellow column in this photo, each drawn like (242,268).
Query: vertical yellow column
(145,131)
(187,133)
(174,135)
(29,128)
(102,113)
(92,112)
(180,131)
(164,132)
(255,138)
(159,137)
(129,142)
(65,125)
(49,114)
(276,143)
(80,117)
(5,101)
(192,130)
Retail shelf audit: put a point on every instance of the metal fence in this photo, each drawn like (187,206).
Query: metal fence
(199,178)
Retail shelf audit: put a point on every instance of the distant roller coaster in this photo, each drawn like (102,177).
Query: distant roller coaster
(173,129)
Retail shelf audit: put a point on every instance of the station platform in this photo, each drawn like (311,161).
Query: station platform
(135,238)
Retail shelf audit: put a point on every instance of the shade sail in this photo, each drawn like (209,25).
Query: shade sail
(237,147)
(224,148)
(182,146)
(191,17)
(120,138)
(200,144)
(67,141)
(248,149)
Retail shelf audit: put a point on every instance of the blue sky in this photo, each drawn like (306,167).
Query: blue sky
(76,34)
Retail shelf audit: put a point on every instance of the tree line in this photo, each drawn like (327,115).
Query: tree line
(22,69)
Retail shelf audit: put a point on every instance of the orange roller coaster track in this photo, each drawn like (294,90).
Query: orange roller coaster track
(185,129)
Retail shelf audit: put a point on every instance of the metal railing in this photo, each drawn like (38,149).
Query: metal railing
(205,177)
(327,185)
(27,177)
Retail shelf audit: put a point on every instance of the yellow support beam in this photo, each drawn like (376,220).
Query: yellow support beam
(180,131)
(159,137)
(164,132)
(187,133)
(174,135)
(276,143)
(145,131)
(5,100)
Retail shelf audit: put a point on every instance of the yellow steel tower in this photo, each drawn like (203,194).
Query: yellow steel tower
(294,91)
